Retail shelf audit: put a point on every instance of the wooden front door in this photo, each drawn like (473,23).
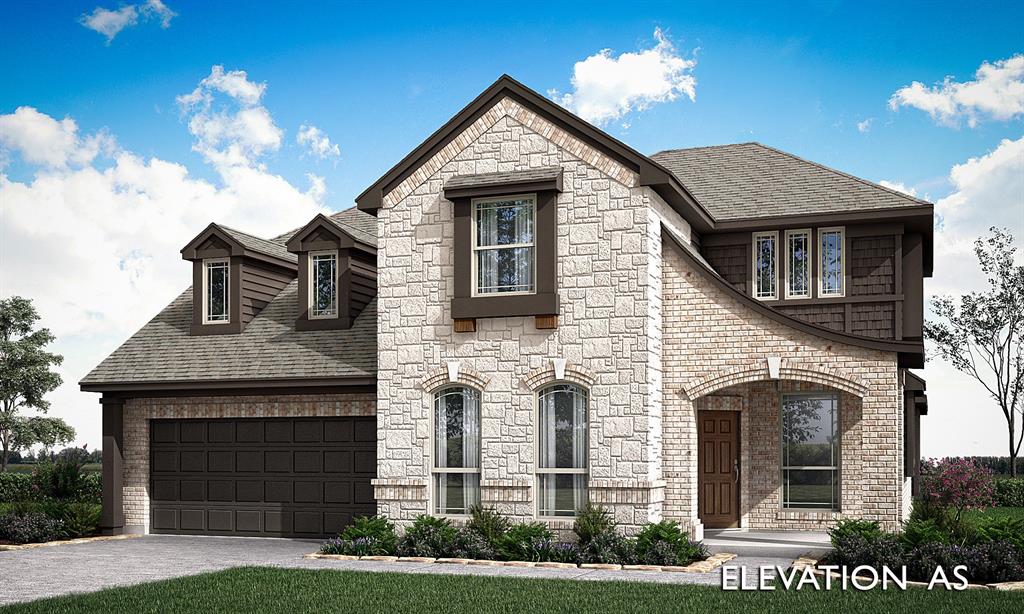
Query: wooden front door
(718,469)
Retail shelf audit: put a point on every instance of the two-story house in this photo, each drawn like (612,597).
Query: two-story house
(526,313)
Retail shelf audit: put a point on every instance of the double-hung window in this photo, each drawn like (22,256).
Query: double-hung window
(323,284)
(810,451)
(504,250)
(830,242)
(216,277)
(766,265)
(562,450)
(456,450)
(798,263)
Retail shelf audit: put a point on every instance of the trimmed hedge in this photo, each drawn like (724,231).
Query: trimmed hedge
(1009,492)
(17,487)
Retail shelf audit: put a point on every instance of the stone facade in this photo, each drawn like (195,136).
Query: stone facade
(138,412)
(604,329)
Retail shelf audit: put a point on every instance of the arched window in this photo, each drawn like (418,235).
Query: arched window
(456,450)
(562,450)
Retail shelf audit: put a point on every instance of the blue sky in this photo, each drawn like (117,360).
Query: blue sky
(377,78)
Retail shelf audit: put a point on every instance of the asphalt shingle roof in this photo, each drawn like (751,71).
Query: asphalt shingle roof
(751,180)
(268,348)
(262,246)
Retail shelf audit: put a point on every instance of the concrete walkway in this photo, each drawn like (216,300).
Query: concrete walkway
(45,572)
(788,544)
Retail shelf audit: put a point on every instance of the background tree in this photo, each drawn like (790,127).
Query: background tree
(981,334)
(25,378)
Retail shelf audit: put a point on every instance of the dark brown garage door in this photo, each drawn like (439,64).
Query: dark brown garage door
(287,477)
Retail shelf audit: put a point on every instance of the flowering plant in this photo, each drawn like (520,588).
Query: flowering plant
(959,484)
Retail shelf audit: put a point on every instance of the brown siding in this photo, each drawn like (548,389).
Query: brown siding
(873,320)
(731,263)
(871,265)
(363,285)
(259,286)
(832,315)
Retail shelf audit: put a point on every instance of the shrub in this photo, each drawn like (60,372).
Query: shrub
(429,536)
(664,543)
(1009,492)
(520,542)
(989,562)
(15,487)
(366,536)
(1010,530)
(608,547)
(79,518)
(487,523)
(855,549)
(92,488)
(867,529)
(923,531)
(473,545)
(959,484)
(557,552)
(30,528)
(592,521)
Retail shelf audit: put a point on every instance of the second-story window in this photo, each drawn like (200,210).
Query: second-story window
(323,284)
(766,265)
(798,263)
(831,250)
(503,246)
(216,274)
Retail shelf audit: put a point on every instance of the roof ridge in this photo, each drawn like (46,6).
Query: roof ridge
(841,173)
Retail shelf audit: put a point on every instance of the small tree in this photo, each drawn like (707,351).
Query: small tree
(981,336)
(957,484)
(25,378)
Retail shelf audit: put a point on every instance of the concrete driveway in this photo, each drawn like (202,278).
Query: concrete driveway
(26,575)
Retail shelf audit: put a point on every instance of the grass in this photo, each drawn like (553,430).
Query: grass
(259,589)
(996,512)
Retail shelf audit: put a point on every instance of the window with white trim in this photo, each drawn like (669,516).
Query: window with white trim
(456,450)
(562,456)
(798,263)
(323,284)
(216,278)
(830,246)
(810,451)
(766,265)
(504,250)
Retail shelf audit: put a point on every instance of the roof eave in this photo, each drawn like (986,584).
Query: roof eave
(224,384)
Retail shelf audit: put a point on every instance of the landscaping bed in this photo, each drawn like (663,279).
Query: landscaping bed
(489,537)
(252,589)
(57,501)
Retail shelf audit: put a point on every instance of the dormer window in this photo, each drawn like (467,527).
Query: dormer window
(503,245)
(216,281)
(323,284)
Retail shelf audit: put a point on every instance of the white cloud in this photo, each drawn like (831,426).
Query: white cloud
(46,141)
(95,242)
(317,142)
(996,92)
(898,186)
(865,125)
(110,23)
(606,88)
(232,128)
(987,191)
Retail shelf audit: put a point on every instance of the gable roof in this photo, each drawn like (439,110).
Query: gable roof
(751,180)
(343,232)
(650,172)
(241,244)
(269,351)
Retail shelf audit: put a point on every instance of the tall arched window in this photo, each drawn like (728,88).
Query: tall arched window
(456,450)
(562,450)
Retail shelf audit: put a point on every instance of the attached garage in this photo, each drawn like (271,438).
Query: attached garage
(279,477)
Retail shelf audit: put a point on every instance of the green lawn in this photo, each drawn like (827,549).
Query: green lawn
(257,589)
(997,512)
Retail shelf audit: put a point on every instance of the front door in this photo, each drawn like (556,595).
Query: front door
(718,469)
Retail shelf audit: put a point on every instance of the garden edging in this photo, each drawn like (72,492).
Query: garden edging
(62,542)
(708,565)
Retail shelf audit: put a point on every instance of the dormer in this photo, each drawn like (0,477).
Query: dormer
(234,276)
(337,269)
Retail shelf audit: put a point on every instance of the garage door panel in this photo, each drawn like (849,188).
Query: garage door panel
(303,477)
(279,461)
(192,432)
(221,461)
